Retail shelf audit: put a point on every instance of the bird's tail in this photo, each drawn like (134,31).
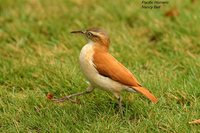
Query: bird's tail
(146,93)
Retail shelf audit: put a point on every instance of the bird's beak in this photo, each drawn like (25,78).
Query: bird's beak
(78,31)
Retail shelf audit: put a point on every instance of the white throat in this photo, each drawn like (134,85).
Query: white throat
(86,60)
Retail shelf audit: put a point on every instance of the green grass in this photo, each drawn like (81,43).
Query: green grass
(38,55)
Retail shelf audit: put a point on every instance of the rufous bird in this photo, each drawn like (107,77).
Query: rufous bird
(102,70)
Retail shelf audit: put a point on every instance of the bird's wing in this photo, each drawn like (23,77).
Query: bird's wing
(108,66)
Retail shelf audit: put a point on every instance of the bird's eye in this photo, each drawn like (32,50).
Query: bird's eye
(89,34)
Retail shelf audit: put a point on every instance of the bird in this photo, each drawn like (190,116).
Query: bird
(103,71)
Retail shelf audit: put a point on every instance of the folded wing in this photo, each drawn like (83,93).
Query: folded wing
(108,66)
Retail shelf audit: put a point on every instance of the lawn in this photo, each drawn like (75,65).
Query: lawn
(39,55)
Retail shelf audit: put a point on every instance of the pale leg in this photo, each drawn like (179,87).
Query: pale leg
(88,90)
(119,101)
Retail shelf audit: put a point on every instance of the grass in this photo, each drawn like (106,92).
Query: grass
(38,55)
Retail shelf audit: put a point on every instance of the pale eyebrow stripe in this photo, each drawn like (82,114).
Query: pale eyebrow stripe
(95,33)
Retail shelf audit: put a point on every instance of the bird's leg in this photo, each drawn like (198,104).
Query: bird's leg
(88,90)
(119,100)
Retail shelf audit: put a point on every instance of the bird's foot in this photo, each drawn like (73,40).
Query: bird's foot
(121,110)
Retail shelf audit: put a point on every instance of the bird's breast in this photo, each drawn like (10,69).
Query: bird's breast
(86,61)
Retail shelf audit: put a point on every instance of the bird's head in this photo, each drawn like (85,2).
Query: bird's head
(96,35)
